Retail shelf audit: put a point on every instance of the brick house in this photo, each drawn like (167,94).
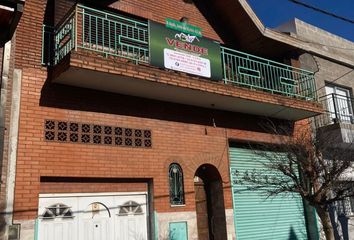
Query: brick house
(103,143)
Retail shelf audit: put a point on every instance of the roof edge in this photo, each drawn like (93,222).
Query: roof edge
(290,39)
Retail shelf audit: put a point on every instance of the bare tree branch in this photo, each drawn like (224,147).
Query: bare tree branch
(312,165)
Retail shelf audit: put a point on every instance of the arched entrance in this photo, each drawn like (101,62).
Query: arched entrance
(209,199)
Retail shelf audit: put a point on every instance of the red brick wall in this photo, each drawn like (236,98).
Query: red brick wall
(160,10)
(84,187)
(38,158)
(153,10)
(29,36)
(179,133)
(93,61)
(62,8)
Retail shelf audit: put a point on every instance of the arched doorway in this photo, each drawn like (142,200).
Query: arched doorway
(209,198)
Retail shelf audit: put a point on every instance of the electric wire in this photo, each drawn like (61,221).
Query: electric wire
(332,15)
(320,44)
(322,11)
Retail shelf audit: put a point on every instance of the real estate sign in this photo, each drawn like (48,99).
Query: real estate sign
(184,52)
(183,27)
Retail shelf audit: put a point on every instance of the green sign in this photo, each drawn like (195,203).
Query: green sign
(183,27)
(183,52)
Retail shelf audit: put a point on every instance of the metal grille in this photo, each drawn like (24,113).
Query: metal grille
(258,73)
(57,211)
(338,109)
(176,184)
(47,45)
(84,133)
(130,208)
(64,37)
(113,34)
(99,31)
(128,37)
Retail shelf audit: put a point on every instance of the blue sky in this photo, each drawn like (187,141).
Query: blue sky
(274,12)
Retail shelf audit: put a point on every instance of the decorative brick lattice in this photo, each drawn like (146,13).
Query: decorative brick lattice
(84,133)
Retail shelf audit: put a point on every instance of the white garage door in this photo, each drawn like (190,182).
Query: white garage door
(113,216)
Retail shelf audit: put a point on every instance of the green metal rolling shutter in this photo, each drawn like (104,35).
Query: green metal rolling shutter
(259,218)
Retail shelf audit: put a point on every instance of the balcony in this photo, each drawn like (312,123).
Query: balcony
(111,52)
(338,119)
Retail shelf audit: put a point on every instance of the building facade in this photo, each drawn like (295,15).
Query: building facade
(334,73)
(127,123)
(336,82)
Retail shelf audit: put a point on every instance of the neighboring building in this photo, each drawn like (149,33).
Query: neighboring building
(10,14)
(334,74)
(123,128)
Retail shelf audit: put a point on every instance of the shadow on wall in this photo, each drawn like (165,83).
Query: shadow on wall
(81,99)
(292,234)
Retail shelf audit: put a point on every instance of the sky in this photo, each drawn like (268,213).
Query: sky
(275,12)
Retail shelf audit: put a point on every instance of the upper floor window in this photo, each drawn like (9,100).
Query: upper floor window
(339,104)
(176,184)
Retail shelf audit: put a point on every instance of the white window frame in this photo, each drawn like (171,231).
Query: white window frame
(335,105)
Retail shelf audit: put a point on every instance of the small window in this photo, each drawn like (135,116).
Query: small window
(130,208)
(176,184)
(339,104)
(57,211)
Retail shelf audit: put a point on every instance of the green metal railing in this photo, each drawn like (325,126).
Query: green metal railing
(47,45)
(99,31)
(115,35)
(258,73)
(64,38)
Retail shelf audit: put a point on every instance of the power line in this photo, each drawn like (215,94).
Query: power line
(322,11)
(333,81)
(325,45)
(317,43)
(329,14)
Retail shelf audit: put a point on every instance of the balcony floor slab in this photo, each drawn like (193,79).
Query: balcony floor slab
(116,75)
